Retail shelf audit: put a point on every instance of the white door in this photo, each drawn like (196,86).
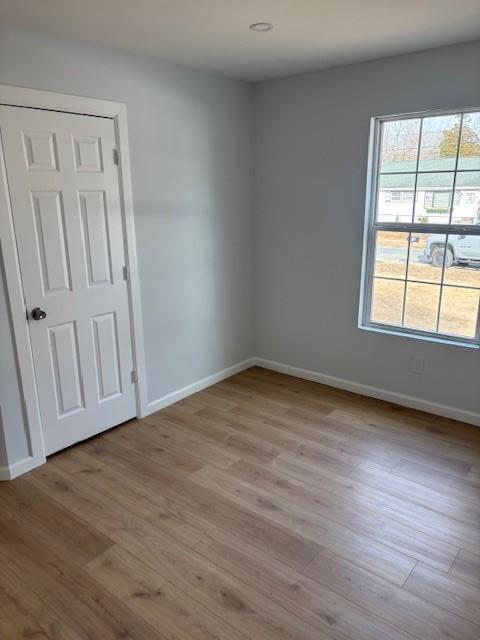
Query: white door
(65,203)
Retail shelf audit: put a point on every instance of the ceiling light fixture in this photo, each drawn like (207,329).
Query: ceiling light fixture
(261,26)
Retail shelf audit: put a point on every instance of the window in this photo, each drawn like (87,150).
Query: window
(399,196)
(470,197)
(421,273)
(440,200)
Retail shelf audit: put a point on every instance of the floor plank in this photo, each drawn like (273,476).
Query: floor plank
(446,527)
(372,523)
(447,484)
(27,507)
(76,599)
(361,549)
(407,611)
(408,489)
(156,600)
(206,592)
(23,614)
(446,591)
(467,568)
(297,593)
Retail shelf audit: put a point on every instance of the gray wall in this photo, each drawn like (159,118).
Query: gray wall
(192,169)
(311,159)
(191,150)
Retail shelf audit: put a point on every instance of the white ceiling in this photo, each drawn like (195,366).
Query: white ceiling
(214,35)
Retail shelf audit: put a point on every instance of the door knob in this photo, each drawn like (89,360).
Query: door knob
(38,314)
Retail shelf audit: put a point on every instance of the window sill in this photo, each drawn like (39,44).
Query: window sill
(455,342)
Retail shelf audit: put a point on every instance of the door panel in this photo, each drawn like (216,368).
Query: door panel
(88,154)
(40,151)
(95,237)
(64,191)
(66,369)
(49,221)
(106,355)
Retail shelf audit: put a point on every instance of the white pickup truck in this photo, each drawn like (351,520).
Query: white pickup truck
(460,250)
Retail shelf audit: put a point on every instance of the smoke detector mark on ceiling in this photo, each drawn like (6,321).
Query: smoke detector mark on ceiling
(261,26)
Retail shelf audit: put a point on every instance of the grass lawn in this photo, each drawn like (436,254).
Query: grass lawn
(459,306)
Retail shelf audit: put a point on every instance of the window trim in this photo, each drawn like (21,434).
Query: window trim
(368,246)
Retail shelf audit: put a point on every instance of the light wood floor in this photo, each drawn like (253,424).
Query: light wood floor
(264,507)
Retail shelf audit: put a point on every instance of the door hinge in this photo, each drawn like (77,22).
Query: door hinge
(116,157)
(125,272)
(133,376)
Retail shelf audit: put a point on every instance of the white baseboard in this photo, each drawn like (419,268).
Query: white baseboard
(9,472)
(175,396)
(412,402)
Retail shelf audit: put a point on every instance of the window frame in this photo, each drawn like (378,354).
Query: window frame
(371,226)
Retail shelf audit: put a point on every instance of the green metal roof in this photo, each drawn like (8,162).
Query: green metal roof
(468,174)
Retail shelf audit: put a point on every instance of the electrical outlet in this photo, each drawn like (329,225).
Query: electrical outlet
(417,365)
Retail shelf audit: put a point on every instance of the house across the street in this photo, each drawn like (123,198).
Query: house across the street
(429,200)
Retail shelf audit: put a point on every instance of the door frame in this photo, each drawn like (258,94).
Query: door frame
(37,99)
